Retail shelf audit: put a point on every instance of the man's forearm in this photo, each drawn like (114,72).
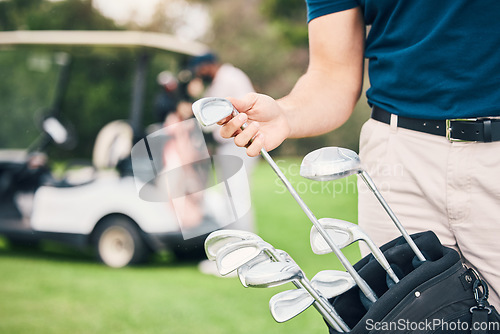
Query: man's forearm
(321,101)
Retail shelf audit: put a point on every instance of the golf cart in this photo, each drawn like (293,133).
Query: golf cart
(103,209)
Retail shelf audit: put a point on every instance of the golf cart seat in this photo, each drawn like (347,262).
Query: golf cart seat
(112,145)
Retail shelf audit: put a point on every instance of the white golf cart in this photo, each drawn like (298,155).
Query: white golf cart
(103,210)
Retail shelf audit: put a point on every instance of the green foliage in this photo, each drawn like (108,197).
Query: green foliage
(14,12)
(99,89)
(26,92)
(289,18)
(68,15)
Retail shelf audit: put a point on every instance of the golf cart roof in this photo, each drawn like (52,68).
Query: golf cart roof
(106,38)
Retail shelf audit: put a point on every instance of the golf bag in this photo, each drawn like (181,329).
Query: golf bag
(436,296)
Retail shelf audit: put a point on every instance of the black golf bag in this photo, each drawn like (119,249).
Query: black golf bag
(436,296)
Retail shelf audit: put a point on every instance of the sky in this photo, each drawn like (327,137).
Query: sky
(121,10)
(195,17)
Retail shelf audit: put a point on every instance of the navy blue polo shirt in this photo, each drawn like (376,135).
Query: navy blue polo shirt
(427,58)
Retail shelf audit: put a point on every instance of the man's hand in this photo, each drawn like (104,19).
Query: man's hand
(321,100)
(267,127)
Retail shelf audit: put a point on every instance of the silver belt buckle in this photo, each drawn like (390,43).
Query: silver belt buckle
(448,128)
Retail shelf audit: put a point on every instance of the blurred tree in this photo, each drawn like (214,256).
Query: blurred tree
(268,40)
(68,15)
(48,15)
(14,12)
(100,79)
(288,17)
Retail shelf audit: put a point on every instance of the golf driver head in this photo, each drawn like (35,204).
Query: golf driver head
(218,239)
(332,283)
(289,303)
(261,258)
(234,255)
(210,110)
(330,163)
(341,232)
(270,274)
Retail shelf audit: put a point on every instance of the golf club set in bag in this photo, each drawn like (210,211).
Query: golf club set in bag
(412,284)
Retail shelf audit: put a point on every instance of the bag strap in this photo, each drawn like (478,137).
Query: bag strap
(481,312)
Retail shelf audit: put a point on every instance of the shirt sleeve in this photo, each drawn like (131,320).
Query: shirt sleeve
(317,8)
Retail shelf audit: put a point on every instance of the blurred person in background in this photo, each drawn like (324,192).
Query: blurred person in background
(179,150)
(223,80)
(213,79)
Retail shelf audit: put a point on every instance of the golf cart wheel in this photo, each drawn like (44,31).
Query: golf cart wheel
(118,243)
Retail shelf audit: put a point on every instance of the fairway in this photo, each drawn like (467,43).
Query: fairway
(57,290)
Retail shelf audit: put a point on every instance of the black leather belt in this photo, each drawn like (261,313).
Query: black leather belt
(471,129)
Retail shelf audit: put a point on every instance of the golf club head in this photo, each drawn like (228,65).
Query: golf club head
(270,274)
(218,239)
(234,255)
(341,232)
(330,163)
(344,233)
(261,258)
(290,303)
(210,110)
(332,283)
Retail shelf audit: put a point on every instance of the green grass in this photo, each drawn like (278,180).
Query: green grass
(61,291)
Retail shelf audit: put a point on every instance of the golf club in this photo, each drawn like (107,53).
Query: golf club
(246,254)
(344,233)
(209,111)
(232,256)
(289,303)
(271,274)
(332,163)
(216,240)
(282,256)
(332,283)
(263,257)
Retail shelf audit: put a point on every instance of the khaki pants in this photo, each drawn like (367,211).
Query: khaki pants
(452,189)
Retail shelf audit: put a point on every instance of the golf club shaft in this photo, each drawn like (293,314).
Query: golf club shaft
(320,303)
(324,304)
(363,286)
(369,182)
(380,258)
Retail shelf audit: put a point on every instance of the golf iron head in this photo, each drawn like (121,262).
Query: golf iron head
(330,163)
(344,233)
(210,110)
(232,256)
(218,239)
(270,274)
(261,258)
(288,304)
(332,283)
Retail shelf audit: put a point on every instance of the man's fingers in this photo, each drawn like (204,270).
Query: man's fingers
(256,145)
(244,138)
(244,104)
(233,126)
